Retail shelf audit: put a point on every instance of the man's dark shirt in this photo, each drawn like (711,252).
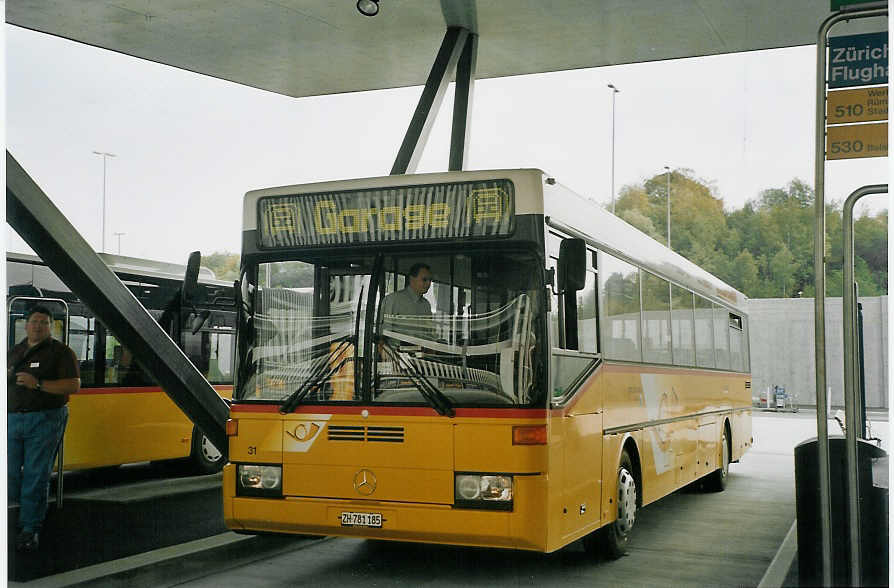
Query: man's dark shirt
(48,360)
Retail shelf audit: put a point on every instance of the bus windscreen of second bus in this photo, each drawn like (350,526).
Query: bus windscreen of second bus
(313,330)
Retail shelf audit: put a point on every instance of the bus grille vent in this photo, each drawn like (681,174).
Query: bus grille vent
(346,433)
(747,385)
(371,434)
(385,434)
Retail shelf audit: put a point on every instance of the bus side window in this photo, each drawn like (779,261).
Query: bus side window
(120,366)
(129,371)
(619,293)
(682,325)
(587,322)
(737,343)
(220,360)
(721,337)
(704,332)
(556,324)
(198,349)
(656,318)
(82,340)
(574,326)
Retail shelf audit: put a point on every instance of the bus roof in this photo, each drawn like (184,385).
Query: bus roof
(136,266)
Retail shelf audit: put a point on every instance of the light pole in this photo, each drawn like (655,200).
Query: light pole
(119,241)
(105,157)
(667,172)
(614,91)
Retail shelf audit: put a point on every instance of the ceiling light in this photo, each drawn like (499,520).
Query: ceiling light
(368,7)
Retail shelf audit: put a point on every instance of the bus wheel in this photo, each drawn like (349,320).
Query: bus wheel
(616,535)
(205,456)
(716,480)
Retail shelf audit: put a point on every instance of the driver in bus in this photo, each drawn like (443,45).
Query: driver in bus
(410,302)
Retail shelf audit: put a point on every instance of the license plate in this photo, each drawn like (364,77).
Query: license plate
(361,519)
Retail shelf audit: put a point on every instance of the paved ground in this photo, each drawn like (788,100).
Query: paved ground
(112,514)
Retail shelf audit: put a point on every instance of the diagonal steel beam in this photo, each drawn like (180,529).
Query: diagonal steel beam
(462,104)
(432,95)
(31,213)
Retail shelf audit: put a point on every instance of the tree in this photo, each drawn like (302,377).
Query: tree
(782,268)
(764,249)
(744,275)
(224,264)
(871,242)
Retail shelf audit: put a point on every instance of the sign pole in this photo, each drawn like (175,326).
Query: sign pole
(822,431)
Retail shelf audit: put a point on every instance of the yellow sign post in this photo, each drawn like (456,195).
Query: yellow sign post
(854,141)
(859,105)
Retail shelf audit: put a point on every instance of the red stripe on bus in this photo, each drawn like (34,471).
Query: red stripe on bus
(526,413)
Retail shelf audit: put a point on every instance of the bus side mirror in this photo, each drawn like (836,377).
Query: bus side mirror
(191,279)
(572,270)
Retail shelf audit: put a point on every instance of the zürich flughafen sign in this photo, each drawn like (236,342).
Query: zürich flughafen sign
(858,60)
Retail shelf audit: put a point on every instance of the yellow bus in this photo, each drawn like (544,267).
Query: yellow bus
(121,415)
(570,370)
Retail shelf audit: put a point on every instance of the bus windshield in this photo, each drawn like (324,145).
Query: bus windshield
(465,330)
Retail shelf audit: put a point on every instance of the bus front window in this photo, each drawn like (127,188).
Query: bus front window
(302,332)
(472,339)
(480,342)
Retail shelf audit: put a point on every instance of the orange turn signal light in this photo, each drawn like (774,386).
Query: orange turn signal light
(232,427)
(529,435)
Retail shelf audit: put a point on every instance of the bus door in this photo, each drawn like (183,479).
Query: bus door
(578,389)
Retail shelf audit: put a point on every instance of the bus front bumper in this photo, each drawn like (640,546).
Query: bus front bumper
(522,528)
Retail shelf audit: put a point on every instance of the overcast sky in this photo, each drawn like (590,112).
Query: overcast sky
(188,147)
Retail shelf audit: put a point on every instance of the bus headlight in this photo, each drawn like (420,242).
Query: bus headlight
(490,491)
(259,480)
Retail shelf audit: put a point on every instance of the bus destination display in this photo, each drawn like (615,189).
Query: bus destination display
(402,213)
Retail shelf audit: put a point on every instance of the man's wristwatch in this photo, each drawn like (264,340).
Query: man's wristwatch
(38,387)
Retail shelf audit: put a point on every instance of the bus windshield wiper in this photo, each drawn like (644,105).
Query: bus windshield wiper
(429,391)
(319,375)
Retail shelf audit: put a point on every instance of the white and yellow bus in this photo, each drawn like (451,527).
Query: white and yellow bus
(121,415)
(571,370)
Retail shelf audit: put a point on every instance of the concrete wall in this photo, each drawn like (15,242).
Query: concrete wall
(782,348)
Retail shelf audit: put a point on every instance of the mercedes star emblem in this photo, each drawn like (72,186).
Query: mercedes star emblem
(365,482)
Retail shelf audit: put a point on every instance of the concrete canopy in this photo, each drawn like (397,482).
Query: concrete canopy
(314,47)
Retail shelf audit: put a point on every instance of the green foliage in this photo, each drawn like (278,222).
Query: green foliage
(764,249)
(224,264)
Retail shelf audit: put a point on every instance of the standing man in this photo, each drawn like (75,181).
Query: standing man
(41,372)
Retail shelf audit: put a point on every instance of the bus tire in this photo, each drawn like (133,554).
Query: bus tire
(204,455)
(615,536)
(717,480)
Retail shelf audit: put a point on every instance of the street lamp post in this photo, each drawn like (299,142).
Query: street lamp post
(614,92)
(105,157)
(667,172)
(119,241)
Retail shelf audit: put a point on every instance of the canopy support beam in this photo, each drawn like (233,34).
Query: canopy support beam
(430,102)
